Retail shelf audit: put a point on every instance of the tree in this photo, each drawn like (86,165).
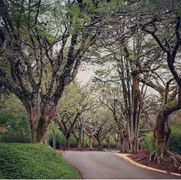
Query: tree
(111,97)
(41,47)
(91,127)
(104,126)
(170,43)
(74,103)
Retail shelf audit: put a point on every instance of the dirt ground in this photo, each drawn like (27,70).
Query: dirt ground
(142,157)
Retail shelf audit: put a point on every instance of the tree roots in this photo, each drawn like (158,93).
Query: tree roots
(173,158)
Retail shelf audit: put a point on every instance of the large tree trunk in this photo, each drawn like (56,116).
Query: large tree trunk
(162,130)
(67,143)
(133,125)
(133,143)
(125,144)
(79,144)
(79,141)
(39,119)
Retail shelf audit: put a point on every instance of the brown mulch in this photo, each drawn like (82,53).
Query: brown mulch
(142,157)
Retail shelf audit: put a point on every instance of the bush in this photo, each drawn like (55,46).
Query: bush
(59,138)
(175,143)
(14,137)
(33,161)
(4,117)
(149,142)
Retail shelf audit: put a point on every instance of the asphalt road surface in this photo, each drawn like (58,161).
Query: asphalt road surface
(107,165)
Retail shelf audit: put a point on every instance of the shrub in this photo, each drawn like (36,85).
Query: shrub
(59,138)
(14,137)
(148,142)
(174,142)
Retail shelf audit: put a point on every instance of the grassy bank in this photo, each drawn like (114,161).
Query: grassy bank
(37,161)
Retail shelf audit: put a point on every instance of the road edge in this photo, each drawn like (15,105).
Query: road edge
(127,159)
(78,172)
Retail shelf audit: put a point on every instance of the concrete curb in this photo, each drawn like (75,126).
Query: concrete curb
(127,159)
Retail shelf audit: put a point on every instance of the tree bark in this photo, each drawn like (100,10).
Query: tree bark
(79,141)
(39,119)
(79,144)
(125,144)
(67,143)
(162,130)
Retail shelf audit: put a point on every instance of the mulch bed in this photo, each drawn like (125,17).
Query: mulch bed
(142,157)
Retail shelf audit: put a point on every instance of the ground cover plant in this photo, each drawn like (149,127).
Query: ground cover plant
(33,161)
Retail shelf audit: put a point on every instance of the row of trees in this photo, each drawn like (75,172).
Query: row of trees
(42,44)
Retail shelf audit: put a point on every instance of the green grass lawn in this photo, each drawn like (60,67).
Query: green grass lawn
(33,161)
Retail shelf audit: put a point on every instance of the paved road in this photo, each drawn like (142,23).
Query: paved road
(106,165)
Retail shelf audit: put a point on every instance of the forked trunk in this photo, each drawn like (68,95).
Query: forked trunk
(39,119)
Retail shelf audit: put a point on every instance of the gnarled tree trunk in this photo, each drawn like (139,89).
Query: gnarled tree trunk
(39,119)
(162,130)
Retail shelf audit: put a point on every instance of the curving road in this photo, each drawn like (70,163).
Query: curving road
(106,165)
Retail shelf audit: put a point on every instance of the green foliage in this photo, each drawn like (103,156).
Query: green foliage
(12,114)
(33,161)
(59,138)
(10,137)
(4,117)
(175,143)
(149,143)
(16,130)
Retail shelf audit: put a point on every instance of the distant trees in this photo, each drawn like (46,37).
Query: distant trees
(74,105)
